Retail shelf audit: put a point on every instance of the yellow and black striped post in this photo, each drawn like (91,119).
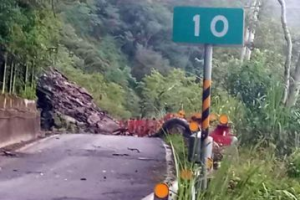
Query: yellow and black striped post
(206,100)
(206,108)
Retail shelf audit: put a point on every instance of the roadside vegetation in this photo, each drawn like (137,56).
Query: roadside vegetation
(251,174)
(121,51)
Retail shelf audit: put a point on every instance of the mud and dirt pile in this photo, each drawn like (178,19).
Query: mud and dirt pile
(67,107)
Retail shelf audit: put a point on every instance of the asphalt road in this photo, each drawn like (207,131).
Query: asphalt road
(83,167)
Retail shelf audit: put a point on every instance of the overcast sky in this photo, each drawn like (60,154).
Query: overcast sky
(293,10)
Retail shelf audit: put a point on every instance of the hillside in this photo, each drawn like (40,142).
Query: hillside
(121,52)
(115,44)
(124,41)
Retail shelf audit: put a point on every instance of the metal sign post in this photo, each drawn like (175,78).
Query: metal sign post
(206,100)
(209,26)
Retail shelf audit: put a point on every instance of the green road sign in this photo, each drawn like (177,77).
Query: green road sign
(217,26)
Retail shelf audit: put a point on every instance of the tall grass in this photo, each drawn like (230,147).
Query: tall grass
(256,174)
(272,122)
(265,120)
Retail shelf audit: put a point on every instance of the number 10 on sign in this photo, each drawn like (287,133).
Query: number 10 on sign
(217,26)
(213,28)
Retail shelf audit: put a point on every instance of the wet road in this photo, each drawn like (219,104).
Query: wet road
(83,167)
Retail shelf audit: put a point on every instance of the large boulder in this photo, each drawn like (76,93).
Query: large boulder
(63,102)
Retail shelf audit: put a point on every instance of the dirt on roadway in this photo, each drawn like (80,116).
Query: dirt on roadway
(83,167)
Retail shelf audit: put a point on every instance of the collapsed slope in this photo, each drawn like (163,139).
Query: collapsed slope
(63,104)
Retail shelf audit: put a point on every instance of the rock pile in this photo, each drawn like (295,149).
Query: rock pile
(65,105)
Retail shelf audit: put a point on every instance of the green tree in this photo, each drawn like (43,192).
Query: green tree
(171,92)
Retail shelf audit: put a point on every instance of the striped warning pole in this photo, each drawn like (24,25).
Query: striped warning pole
(206,110)
(205,107)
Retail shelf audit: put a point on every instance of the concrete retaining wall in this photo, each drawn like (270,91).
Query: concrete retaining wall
(19,120)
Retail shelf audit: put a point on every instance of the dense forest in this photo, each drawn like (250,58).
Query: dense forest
(122,52)
(119,43)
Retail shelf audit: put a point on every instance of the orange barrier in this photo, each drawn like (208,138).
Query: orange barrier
(144,127)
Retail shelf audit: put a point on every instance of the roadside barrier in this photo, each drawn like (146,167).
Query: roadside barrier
(19,120)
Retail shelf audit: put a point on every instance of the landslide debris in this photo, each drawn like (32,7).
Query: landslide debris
(66,106)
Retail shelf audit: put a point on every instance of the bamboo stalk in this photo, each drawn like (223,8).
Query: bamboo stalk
(14,80)
(32,75)
(11,77)
(26,77)
(4,74)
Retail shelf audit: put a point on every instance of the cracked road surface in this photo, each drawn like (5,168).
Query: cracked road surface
(83,167)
